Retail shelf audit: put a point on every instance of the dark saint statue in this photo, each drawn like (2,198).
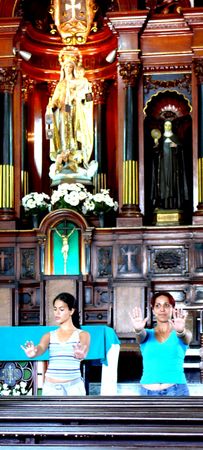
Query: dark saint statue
(169,189)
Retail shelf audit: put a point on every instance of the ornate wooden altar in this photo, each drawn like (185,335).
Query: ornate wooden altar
(144,61)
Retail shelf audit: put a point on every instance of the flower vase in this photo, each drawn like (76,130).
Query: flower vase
(101,219)
(35,220)
(93,221)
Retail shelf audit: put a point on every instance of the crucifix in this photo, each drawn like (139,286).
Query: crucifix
(65,243)
(129,253)
(73,6)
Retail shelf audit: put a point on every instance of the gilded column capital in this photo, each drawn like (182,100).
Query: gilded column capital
(100,90)
(27,86)
(198,70)
(8,77)
(129,71)
(51,87)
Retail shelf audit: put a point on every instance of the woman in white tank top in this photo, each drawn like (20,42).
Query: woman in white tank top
(67,345)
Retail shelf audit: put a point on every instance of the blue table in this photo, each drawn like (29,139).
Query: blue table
(104,346)
(102,338)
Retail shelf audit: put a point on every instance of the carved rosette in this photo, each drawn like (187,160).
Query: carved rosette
(129,72)
(169,260)
(8,78)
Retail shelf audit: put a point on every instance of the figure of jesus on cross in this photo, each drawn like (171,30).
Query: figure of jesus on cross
(65,244)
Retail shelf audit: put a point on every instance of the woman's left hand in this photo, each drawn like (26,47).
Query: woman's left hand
(80,350)
(179,319)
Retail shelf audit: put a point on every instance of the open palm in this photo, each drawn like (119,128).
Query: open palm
(179,319)
(137,319)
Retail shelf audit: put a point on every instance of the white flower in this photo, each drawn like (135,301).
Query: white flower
(74,195)
(16,393)
(36,202)
(31,204)
(55,197)
(69,195)
(105,191)
(82,195)
(72,198)
(88,205)
(63,188)
(18,389)
(99,202)
(109,201)
(23,391)
(80,185)
(5,392)
(75,187)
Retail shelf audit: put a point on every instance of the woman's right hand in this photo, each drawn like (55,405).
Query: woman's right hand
(137,319)
(30,349)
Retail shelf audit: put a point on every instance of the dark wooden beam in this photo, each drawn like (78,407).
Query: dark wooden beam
(89,421)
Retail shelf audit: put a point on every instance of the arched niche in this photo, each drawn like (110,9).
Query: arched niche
(176,107)
(60,232)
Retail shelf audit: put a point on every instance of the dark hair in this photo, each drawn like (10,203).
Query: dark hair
(71,302)
(166,294)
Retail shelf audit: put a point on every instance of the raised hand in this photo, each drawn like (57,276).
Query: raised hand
(137,319)
(179,319)
(30,349)
(80,350)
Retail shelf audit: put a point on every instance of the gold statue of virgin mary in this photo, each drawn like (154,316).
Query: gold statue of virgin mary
(73,19)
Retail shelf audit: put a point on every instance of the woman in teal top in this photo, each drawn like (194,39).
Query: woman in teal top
(163,348)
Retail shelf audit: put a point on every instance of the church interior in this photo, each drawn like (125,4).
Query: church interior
(93,97)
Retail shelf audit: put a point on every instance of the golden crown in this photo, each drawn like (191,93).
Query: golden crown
(69,54)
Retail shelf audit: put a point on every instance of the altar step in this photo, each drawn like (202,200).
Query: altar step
(196,389)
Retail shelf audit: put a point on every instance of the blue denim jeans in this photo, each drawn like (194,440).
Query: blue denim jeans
(177,390)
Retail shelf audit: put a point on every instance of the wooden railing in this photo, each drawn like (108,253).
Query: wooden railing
(106,422)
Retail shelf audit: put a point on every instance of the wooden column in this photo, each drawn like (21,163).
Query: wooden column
(130,209)
(27,87)
(7,81)
(100,88)
(194,18)
(128,25)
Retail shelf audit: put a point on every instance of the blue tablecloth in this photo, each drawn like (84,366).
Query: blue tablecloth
(102,338)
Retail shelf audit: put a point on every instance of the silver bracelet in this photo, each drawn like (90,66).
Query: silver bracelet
(182,333)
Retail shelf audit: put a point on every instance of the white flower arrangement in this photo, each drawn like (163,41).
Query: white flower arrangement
(18,389)
(73,196)
(100,202)
(35,202)
(69,196)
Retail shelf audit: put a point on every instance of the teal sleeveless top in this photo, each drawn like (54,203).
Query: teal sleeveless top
(163,361)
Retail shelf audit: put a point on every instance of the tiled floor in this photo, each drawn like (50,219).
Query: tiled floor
(132,389)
